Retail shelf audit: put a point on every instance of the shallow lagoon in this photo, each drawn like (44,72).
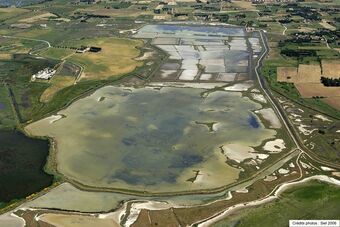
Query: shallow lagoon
(150,139)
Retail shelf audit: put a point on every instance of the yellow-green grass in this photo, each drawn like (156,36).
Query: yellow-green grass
(115,59)
(34,32)
(57,83)
(5,56)
(15,46)
(38,17)
(57,53)
(244,5)
(126,12)
(9,12)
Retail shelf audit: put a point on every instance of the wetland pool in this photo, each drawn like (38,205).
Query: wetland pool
(152,139)
(22,160)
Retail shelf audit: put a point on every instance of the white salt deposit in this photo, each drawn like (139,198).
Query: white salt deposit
(238,152)
(259,97)
(239,87)
(283,171)
(270,178)
(269,115)
(188,74)
(304,129)
(325,168)
(205,76)
(321,117)
(262,156)
(274,146)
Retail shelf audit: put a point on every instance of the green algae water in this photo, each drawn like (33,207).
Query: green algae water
(149,139)
(22,160)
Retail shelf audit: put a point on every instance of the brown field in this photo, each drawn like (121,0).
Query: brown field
(308,90)
(116,58)
(331,68)
(287,74)
(5,56)
(302,74)
(9,12)
(244,5)
(128,12)
(333,101)
(309,73)
(326,25)
(57,83)
(43,16)
(66,220)
(306,29)
(13,10)
(306,79)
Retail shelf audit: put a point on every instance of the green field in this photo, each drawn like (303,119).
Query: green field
(314,200)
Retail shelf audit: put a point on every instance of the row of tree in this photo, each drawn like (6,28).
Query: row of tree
(330,82)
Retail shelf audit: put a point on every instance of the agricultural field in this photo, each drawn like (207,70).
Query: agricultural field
(307,80)
(116,58)
(6,13)
(168,113)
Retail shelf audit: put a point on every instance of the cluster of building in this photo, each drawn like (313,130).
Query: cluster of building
(84,49)
(271,1)
(44,74)
(86,1)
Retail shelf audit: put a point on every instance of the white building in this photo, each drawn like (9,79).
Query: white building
(44,74)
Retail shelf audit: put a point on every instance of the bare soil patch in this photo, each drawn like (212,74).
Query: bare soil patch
(333,101)
(287,74)
(5,56)
(57,83)
(326,25)
(244,5)
(331,68)
(43,16)
(309,73)
(309,90)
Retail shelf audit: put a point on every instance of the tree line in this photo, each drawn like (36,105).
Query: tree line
(330,82)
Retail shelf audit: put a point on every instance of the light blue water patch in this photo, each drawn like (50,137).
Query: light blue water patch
(189,31)
(252,121)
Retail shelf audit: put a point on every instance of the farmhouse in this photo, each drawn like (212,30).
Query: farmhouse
(82,49)
(44,74)
(95,49)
